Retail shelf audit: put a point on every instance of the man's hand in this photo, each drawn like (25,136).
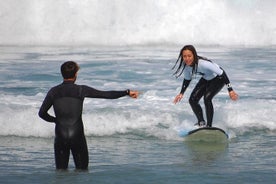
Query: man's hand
(233,95)
(133,94)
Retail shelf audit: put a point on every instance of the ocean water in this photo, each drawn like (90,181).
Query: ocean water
(136,140)
(124,22)
(123,44)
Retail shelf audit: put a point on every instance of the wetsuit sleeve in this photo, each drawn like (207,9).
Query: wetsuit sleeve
(226,81)
(94,93)
(43,111)
(185,84)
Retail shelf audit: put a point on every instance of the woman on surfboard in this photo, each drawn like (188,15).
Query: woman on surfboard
(212,81)
(67,99)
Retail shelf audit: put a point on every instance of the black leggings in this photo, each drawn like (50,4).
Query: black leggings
(208,89)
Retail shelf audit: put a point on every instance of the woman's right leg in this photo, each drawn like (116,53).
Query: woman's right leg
(196,95)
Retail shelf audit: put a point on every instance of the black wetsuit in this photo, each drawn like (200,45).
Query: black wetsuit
(212,81)
(67,100)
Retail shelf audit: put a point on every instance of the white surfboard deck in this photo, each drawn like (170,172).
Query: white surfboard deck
(207,134)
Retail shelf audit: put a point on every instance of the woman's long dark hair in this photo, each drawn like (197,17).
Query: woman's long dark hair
(182,64)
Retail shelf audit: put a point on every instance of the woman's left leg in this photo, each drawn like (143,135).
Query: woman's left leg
(213,87)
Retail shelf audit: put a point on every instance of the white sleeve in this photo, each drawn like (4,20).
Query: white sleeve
(212,67)
(188,72)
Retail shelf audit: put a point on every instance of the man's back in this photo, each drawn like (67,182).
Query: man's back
(68,104)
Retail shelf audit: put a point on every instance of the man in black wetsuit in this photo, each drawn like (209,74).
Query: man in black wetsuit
(67,100)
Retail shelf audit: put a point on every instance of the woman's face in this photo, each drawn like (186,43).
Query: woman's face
(188,57)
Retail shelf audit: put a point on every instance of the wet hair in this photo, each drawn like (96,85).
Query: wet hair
(182,64)
(69,69)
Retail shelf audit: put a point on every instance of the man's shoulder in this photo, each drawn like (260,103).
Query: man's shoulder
(56,86)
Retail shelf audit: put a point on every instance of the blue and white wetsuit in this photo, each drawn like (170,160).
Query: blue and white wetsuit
(212,81)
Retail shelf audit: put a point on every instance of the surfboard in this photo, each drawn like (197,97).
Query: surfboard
(207,134)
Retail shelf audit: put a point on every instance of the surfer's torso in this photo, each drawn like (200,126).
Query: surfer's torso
(207,69)
(67,100)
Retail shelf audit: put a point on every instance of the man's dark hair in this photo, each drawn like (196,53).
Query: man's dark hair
(69,69)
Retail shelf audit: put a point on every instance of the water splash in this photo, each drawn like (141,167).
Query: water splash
(123,22)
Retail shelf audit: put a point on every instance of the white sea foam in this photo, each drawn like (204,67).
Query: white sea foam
(147,70)
(124,22)
(149,116)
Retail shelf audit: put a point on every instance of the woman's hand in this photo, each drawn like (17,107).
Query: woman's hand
(233,95)
(178,98)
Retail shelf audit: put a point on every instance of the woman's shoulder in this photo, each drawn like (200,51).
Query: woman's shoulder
(209,66)
(205,63)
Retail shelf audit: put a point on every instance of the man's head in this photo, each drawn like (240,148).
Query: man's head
(69,69)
